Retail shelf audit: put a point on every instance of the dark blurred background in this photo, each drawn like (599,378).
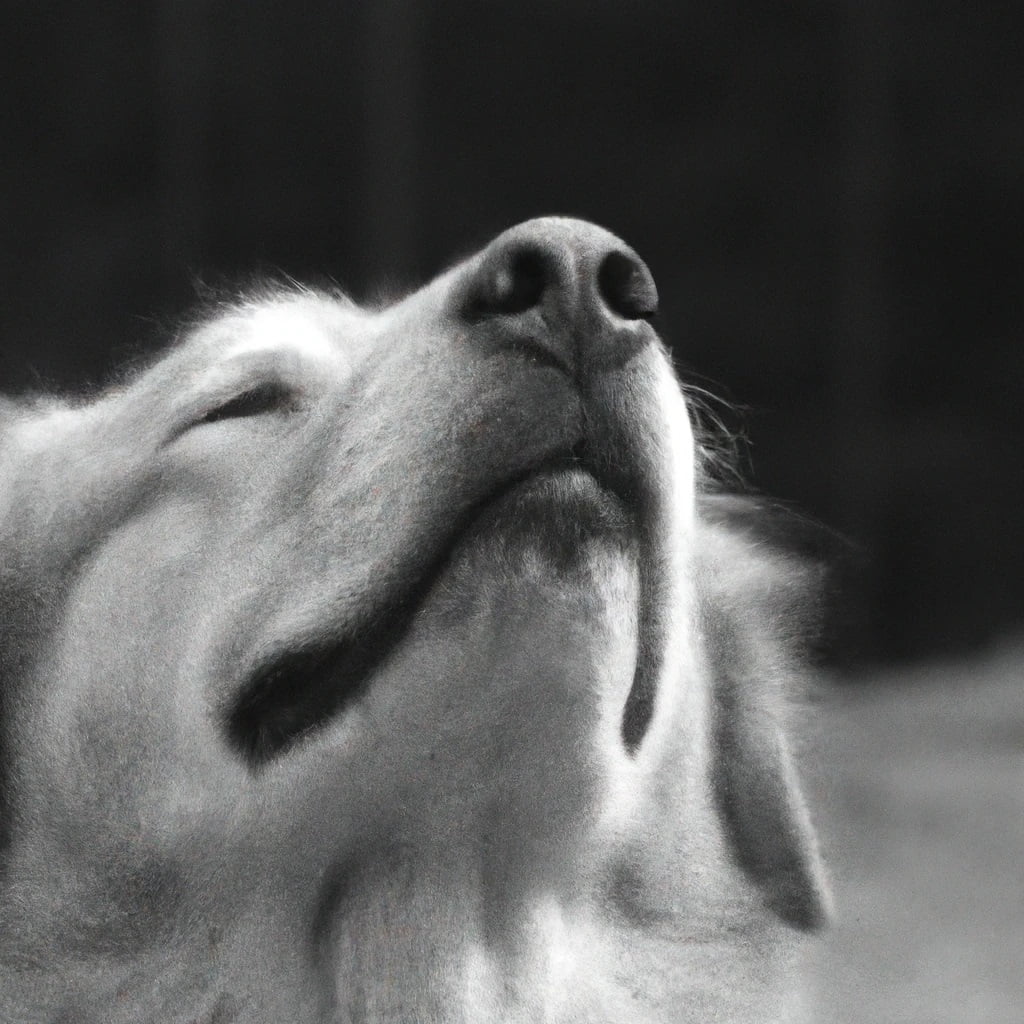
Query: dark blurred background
(829,194)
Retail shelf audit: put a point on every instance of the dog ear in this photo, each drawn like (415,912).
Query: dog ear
(753,601)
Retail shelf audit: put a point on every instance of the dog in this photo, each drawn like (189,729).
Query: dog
(396,665)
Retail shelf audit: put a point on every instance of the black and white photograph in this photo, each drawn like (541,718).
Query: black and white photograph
(511,513)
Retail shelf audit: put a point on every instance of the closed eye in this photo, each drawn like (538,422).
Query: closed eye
(271,396)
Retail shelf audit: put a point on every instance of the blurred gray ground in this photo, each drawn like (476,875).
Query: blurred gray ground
(918,787)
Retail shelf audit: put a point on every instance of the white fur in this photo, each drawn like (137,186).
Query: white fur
(468,838)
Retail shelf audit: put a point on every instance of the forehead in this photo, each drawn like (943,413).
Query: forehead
(306,324)
(283,334)
(287,330)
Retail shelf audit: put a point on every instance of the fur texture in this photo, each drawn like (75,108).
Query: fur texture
(393,666)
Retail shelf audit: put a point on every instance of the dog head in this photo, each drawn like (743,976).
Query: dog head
(381,665)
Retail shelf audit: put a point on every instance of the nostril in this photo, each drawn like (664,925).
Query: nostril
(512,285)
(627,287)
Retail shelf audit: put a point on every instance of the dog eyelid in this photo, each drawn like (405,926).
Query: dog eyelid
(265,397)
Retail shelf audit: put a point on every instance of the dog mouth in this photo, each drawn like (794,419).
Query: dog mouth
(300,690)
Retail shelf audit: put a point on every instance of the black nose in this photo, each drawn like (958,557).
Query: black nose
(564,289)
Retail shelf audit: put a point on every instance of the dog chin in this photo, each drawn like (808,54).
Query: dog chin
(559,516)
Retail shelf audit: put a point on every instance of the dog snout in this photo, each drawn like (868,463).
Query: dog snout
(562,291)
